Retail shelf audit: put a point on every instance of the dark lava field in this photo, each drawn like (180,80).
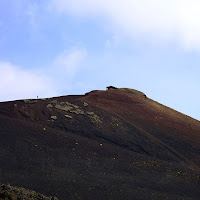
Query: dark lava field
(107,144)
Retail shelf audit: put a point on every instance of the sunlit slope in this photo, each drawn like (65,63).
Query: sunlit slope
(163,125)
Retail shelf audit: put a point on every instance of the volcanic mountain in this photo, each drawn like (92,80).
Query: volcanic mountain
(106,144)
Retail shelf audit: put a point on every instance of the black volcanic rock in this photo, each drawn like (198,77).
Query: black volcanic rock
(113,144)
(8,192)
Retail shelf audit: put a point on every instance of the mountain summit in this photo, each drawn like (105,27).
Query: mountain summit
(106,144)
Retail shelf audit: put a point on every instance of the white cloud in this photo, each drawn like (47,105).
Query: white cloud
(19,84)
(67,63)
(160,21)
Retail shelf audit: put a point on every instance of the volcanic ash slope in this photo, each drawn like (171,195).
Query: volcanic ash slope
(113,144)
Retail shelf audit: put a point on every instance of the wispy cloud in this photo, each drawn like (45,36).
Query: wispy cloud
(114,41)
(65,67)
(68,62)
(17,83)
(31,13)
(149,20)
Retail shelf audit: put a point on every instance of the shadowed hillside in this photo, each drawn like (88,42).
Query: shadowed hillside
(8,192)
(113,144)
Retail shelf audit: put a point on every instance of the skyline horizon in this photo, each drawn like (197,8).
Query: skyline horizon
(59,47)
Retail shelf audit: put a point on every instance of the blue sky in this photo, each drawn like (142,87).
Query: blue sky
(59,47)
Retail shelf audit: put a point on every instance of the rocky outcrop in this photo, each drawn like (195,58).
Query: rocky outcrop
(8,192)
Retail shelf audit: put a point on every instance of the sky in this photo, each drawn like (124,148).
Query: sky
(60,47)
